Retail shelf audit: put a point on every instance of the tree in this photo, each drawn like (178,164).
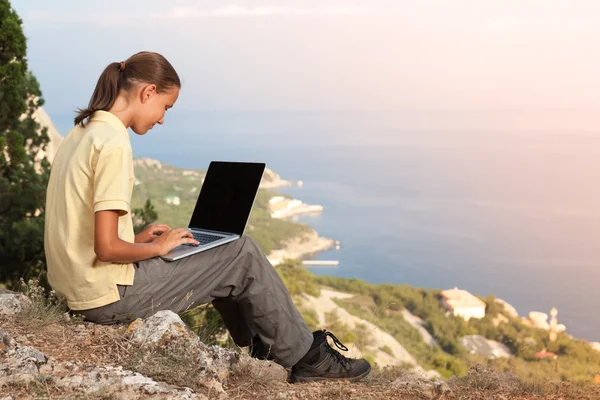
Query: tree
(142,217)
(23,179)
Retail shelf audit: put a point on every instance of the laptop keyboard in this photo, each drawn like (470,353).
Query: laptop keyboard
(205,238)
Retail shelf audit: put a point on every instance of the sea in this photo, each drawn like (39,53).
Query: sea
(510,213)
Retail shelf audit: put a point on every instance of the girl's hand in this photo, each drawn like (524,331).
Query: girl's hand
(173,238)
(150,233)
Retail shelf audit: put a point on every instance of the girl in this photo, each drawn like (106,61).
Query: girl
(110,275)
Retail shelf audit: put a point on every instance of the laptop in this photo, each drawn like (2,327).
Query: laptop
(223,207)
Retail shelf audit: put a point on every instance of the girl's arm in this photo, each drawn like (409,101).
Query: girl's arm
(110,248)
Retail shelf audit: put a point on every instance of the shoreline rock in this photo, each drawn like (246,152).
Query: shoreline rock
(286,208)
(272,180)
(302,246)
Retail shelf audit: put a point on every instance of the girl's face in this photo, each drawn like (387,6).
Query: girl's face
(152,107)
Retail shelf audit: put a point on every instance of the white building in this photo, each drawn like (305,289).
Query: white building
(463,304)
(174,200)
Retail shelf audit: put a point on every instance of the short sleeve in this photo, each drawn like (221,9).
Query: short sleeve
(111,180)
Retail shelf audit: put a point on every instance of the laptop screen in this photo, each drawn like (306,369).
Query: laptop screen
(227,195)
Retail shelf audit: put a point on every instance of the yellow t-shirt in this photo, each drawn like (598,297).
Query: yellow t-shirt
(92,171)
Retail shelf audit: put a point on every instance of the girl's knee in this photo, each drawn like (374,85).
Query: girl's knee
(249,243)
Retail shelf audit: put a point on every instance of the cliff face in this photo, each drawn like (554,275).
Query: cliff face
(44,120)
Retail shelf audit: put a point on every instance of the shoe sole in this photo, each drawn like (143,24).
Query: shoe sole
(304,379)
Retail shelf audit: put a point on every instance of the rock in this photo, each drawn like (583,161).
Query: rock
(595,346)
(7,343)
(162,325)
(23,364)
(477,344)
(169,334)
(265,371)
(22,338)
(442,388)
(44,120)
(499,319)
(539,320)
(123,383)
(272,180)
(12,303)
(508,309)
(484,378)
(223,360)
(26,354)
(425,388)
(431,374)
(45,369)
(19,363)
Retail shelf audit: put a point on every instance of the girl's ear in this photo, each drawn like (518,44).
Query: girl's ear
(147,92)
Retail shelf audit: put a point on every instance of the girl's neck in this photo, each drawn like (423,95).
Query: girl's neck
(122,110)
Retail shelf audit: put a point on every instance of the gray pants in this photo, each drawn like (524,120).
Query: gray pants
(240,282)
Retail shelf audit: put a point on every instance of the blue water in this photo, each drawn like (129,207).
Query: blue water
(513,214)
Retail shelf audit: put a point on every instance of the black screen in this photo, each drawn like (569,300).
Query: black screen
(227,195)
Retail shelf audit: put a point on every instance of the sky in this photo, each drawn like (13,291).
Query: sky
(538,59)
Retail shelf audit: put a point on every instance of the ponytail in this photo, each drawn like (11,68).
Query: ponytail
(143,67)
(105,93)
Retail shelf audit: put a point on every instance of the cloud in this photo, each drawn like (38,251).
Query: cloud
(193,13)
(240,11)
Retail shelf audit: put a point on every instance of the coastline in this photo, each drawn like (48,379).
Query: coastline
(310,244)
(300,247)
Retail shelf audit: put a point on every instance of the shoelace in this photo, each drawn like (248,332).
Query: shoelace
(343,360)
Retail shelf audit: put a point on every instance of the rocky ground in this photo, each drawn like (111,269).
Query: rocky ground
(46,354)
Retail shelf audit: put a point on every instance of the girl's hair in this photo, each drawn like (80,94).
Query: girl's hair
(143,67)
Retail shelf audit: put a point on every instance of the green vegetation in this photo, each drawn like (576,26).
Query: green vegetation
(298,279)
(23,187)
(142,217)
(578,362)
(310,317)
(388,350)
(207,323)
(341,330)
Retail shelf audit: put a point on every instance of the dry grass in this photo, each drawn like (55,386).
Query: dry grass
(488,382)
(388,374)
(174,361)
(45,308)
(44,387)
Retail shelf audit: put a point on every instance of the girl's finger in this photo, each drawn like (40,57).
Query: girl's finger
(189,241)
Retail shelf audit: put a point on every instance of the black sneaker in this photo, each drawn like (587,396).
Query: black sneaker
(324,362)
(259,350)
